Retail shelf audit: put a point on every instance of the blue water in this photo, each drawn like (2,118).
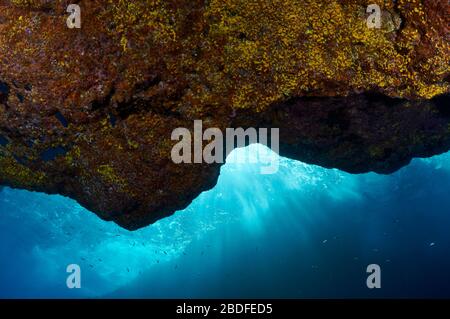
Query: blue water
(304,232)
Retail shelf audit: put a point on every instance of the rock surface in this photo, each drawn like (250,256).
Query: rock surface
(88,113)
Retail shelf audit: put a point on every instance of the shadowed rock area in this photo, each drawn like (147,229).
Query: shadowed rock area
(88,113)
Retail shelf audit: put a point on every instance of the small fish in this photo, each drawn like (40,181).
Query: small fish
(128,269)
(325,241)
(92,266)
(432,244)
(165,253)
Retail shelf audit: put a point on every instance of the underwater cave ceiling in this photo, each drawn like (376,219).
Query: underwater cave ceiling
(88,113)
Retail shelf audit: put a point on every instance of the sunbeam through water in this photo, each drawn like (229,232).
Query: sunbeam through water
(305,231)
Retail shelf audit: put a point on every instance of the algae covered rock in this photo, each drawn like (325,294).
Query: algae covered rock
(88,112)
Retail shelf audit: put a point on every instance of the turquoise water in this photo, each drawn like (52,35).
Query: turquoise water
(304,232)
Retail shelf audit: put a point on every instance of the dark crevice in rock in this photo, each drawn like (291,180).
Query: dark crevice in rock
(104,102)
(3,140)
(61,119)
(4,92)
(52,153)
